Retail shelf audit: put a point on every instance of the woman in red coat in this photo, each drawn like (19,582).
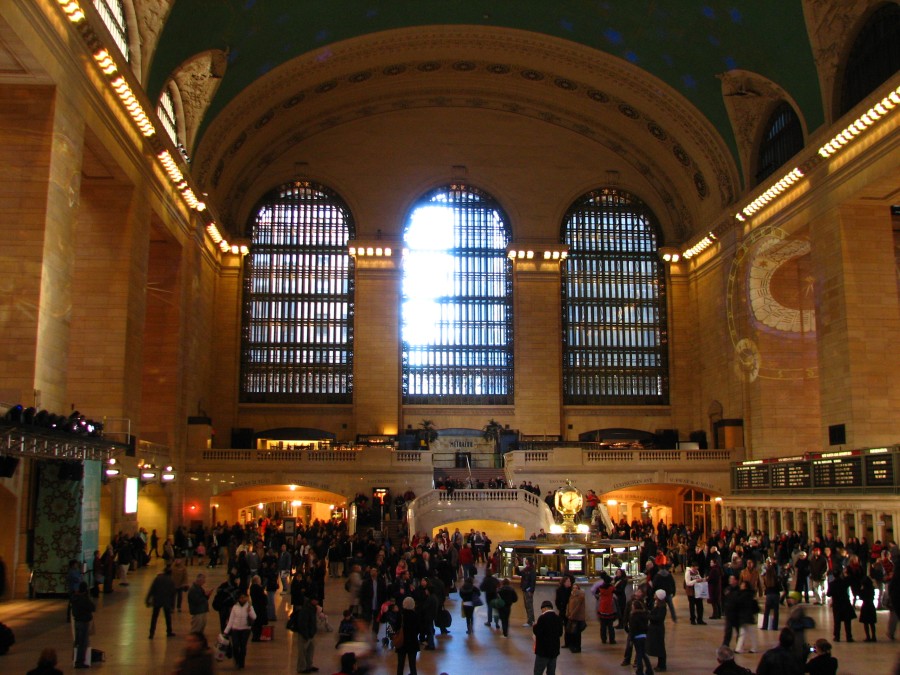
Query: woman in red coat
(606,608)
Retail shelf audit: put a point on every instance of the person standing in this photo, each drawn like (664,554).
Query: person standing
(548,629)
(238,627)
(563,593)
(260,606)
(528,584)
(198,604)
(576,617)
(285,564)
(409,624)
(304,624)
(73,582)
(161,596)
(656,632)
(469,595)
(638,625)
(180,579)
(82,615)
(692,577)
(842,610)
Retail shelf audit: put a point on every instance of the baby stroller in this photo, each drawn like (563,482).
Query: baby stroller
(389,615)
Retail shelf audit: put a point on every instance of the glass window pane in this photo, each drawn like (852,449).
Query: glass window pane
(615,348)
(456,299)
(298,300)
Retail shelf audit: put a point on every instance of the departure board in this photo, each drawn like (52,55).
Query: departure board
(753,477)
(879,470)
(838,473)
(790,475)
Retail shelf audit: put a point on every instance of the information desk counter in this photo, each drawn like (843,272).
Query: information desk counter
(557,556)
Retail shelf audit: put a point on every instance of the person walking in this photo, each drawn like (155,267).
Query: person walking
(238,628)
(747,610)
(528,584)
(576,617)
(82,615)
(509,596)
(161,596)
(489,586)
(548,630)
(198,658)
(409,648)
(470,596)
(198,604)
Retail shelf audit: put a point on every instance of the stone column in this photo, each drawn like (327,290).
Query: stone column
(853,258)
(376,350)
(41,149)
(538,349)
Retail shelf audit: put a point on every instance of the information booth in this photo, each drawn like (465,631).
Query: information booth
(584,559)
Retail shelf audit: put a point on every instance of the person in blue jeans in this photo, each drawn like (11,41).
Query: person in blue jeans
(638,624)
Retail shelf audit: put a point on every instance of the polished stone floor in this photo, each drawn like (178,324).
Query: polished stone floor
(122,625)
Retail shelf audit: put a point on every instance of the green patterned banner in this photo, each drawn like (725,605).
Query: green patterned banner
(57,524)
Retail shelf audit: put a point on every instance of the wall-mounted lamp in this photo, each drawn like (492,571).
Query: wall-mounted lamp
(669,254)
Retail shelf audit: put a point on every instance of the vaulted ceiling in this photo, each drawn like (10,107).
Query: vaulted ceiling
(632,91)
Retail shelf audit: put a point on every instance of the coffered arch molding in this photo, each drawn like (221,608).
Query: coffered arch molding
(561,85)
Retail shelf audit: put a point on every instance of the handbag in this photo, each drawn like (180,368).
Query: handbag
(701,590)
(398,638)
(497,603)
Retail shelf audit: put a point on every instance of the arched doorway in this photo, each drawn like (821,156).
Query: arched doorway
(296,504)
(671,504)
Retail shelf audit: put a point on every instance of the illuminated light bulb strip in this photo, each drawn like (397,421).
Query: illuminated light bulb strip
(861,124)
(526,254)
(105,61)
(171,167)
(214,233)
(700,246)
(120,86)
(72,10)
(787,181)
(371,251)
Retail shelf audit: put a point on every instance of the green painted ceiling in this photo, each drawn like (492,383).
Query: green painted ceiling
(686,43)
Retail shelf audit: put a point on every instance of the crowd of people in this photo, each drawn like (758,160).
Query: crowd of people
(398,591)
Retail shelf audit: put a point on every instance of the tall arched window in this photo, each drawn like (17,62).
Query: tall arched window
(113,14)
(165,110)
(297,342)
(615,349)
(457,300)
(783,138)
(874,58)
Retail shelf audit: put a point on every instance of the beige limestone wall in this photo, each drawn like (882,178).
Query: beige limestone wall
(161,357)
(109,287)
(859,319)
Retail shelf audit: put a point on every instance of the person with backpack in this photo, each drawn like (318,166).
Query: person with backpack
(224,599)
(509,596)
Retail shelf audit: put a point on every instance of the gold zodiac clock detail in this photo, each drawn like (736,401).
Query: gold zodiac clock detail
(568,501)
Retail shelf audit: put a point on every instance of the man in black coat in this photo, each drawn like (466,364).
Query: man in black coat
(548,630)
(161,596)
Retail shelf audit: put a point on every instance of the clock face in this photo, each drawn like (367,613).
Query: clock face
(568,501)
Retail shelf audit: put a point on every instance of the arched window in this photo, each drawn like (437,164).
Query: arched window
(457,300)
(615,349)
(113,14)
(783,138)
(874,58)
(165,110)
(297,341)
